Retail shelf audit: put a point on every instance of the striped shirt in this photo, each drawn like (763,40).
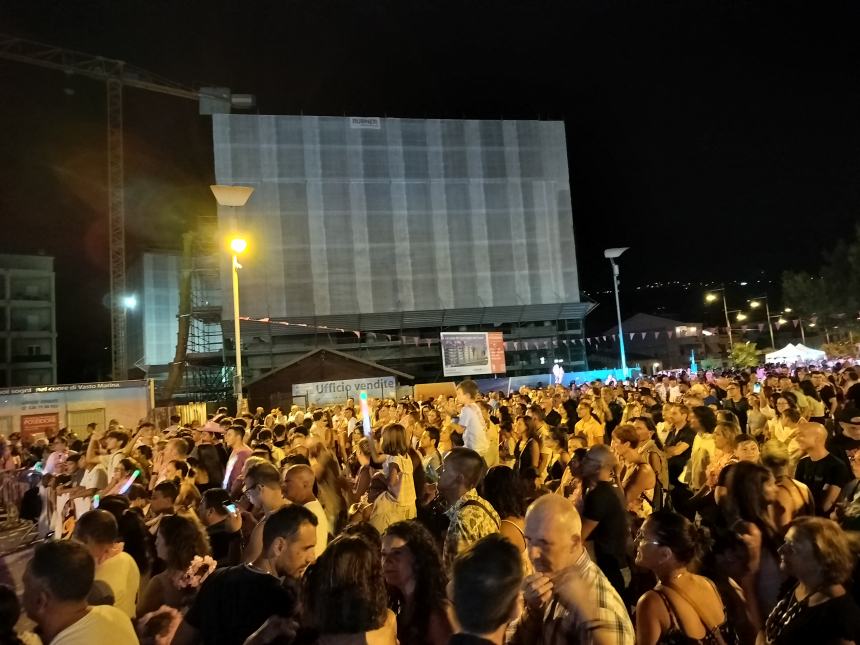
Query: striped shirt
(555,625)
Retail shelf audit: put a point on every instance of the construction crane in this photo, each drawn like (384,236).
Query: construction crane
(116,75)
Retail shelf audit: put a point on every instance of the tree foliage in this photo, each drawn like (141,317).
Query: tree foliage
(833,296)
(744,355)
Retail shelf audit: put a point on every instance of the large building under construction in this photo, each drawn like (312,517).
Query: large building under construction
(373,235)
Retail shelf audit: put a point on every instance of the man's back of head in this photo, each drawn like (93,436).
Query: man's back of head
(97,527)
(467,463)
(61,571)
(486,586)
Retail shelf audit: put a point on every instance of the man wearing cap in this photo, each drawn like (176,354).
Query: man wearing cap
(845,433)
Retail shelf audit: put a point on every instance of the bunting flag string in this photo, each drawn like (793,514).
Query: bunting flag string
(536,344)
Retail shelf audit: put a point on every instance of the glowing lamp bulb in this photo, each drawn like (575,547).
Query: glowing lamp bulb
(238,245)
(710,297)
(742,317)
(755,304)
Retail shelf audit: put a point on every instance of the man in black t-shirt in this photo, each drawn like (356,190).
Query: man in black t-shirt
(235,601)
(604,517)
(679,442)
(822,472)
(826,391)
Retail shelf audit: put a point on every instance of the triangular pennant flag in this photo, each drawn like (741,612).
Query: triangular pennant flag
(555,343)
(656,334)
(795,323)
(516,346)
(604,339)
(643,334)
(357,334)
(430,339)
(632,334)
(417,340)
(370,334)
(565,343)
(669,334)
(388,336)
(613,338)
(340,330)
(589,340)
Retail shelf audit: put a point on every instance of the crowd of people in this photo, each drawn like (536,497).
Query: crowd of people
(674,509)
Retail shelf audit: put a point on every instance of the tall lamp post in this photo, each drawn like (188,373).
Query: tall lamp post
(800,322)
(711,297)
(612,255)
(755,303)
(235,196)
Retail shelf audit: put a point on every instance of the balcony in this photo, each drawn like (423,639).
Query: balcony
(31,358)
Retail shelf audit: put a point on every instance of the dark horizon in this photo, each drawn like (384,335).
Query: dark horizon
(718,141)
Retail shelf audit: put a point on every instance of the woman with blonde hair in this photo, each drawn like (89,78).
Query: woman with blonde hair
(725,441)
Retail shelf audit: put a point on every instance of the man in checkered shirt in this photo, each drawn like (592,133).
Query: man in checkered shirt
(567,599)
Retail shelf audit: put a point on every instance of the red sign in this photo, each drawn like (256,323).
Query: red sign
(34,424)
(496,341)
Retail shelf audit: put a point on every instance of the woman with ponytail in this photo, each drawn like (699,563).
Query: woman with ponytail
(683,607)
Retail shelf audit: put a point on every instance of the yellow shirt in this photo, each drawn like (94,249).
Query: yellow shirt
(593,430)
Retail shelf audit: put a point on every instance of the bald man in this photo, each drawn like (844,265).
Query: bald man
(299,489)
(567,599)
(822,472)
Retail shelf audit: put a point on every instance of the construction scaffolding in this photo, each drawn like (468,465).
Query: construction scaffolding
(198,371)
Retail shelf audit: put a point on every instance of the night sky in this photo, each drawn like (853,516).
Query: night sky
(719,140)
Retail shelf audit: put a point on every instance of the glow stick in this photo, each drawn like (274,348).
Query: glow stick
(365,413)
(129,482)
(96,501)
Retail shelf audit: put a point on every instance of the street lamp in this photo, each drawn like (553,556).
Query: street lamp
(756,303)
(741,316)
(788,310)
(612,255)
(712,297)
(237,245)
(235,196)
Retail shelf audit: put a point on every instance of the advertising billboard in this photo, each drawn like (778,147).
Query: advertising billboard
(471,353)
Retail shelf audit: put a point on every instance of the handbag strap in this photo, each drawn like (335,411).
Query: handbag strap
(699,614)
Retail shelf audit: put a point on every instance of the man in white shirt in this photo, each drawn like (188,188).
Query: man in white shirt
(117,578)
(474,430)
(95,479)
(299,489)
(57,457)
(56,583)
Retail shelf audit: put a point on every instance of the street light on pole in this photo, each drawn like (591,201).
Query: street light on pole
(237,246)
(612,255)
(235,196)
(755,303)
(712,297)
(799,322)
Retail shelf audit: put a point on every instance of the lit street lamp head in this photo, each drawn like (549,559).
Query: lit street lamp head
(614,253)
(755,304)
(742,316)
(710,297)
(238,245)
(231,195)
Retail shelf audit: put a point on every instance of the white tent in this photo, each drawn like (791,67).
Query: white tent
(795,354)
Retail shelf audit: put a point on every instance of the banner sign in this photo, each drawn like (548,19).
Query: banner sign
(329,392)
(470,353)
